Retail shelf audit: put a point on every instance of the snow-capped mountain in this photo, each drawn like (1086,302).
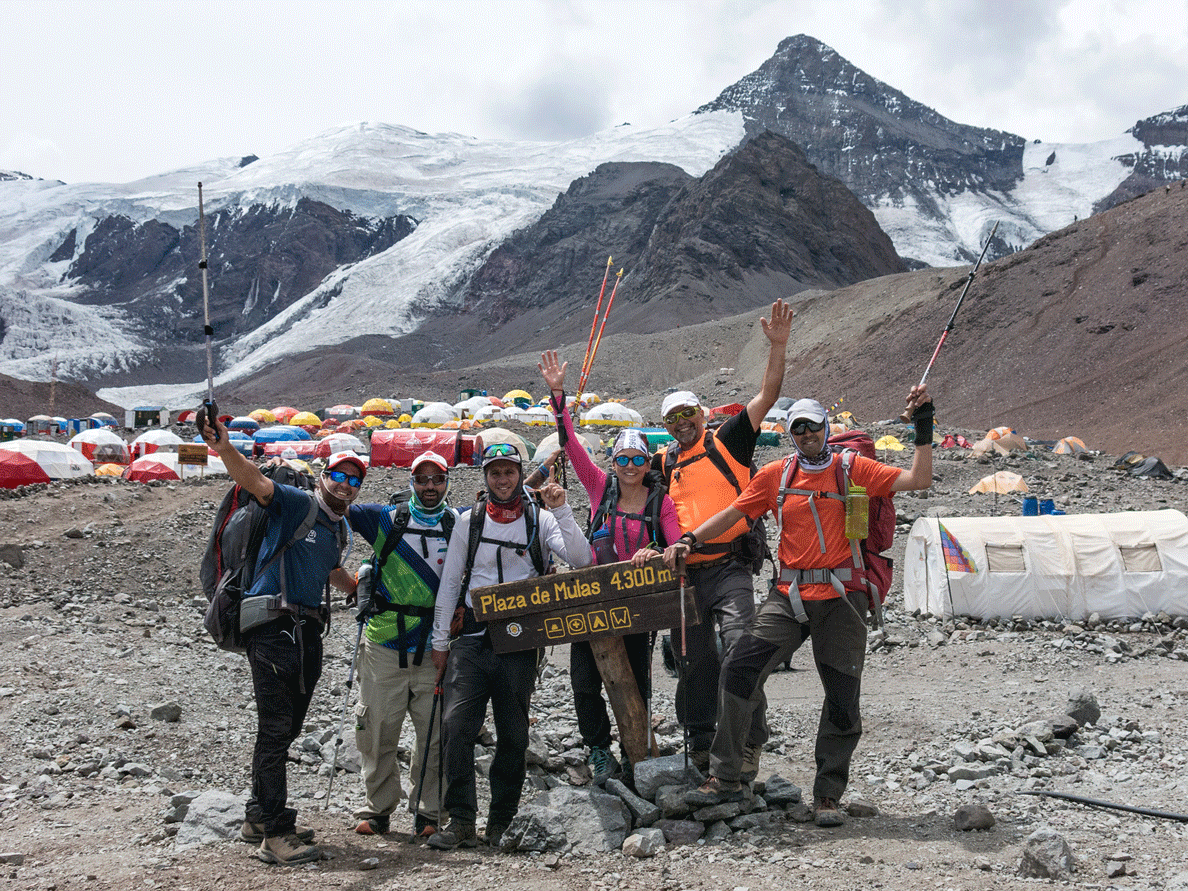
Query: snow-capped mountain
(374,228)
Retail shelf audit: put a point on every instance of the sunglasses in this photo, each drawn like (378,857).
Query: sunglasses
(500,450)
(637,460)
(799,427)
(340,476)
(681,414)
(424,479)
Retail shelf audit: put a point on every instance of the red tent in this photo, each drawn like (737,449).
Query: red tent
(17,469)
(142,470)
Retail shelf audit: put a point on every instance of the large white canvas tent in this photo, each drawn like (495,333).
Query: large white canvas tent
(1119,565)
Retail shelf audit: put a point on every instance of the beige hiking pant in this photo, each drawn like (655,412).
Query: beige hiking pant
(386,693)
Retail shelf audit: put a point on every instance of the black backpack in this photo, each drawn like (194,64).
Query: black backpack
(228,565)
(464,621)
(651,512)
(750,548)
(372,605)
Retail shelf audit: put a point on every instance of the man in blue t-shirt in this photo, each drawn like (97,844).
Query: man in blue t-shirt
(285,649)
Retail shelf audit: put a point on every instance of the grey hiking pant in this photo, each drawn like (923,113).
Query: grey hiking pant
(839,651)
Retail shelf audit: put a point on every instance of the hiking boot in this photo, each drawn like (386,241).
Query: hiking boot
(253,833)
(455,834)
(374,826)
(715,791)
(750,765)
(423,827)
(826,813)
(603,765)
(287,850)
(493,833)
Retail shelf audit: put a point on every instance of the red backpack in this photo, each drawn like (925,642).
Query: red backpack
(873,568)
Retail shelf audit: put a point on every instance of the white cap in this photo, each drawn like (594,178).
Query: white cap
(289,453)
(429,458)
(809,409)
(347,455)
(679,399)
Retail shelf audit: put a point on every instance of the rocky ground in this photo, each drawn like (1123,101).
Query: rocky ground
(102,631)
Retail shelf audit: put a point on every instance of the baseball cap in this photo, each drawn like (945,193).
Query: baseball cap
(429,458)
(809,409)
(679,399)
(347,455)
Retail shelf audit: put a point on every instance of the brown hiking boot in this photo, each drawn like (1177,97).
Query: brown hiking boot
(715,791)
(826,813)
(750,765)
(253,833)
(377,825)
(287,850)
(455,834)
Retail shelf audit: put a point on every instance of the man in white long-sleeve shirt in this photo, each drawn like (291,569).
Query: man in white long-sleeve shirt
(473,673)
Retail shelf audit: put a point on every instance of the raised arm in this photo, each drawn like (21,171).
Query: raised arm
(592,478)
(920,409)
(776,330)
(240,468)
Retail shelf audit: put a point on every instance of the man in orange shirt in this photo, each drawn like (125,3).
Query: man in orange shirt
(820,595)
(705,471)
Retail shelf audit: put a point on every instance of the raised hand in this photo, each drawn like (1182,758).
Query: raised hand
(779,326)
(551,370)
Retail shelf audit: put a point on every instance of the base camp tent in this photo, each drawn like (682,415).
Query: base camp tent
(1120,565)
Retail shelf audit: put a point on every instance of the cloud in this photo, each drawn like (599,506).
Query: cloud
(561,104)
(30,154)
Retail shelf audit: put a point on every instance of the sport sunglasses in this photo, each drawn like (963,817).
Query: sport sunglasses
(424,479)
(637,460)
(800,426)
(500,450)
(681,414)
(340,476)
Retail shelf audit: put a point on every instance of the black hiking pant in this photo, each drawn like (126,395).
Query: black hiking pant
(284,660)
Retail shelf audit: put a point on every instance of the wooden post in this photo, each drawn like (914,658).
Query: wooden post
(630,715)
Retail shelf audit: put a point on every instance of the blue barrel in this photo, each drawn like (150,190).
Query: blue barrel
(1030,506)
(1046,507)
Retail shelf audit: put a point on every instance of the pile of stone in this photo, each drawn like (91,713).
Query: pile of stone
(641,821)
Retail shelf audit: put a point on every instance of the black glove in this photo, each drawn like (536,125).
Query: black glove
(922,417)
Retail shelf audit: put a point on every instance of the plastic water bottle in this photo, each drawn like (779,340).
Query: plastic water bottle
(603,545)
(857,513)
(364,582)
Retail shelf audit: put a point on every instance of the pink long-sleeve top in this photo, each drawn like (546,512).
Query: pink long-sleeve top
(629,534)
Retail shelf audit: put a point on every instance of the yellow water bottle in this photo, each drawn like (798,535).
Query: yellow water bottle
(857,513)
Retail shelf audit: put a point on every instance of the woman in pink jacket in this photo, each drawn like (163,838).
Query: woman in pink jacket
(634,528)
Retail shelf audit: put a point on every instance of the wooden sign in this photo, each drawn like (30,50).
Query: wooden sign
(587,604)
(192,453)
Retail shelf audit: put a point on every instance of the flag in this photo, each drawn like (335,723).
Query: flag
(957,558)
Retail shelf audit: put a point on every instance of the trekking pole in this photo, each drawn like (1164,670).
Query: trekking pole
(212,409)
(586,375)
(346,701)
(683,680)
(425,757)
(964,291)
(594,323)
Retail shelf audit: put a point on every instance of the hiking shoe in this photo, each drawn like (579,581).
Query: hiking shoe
(826,813)
(493,833)
(287,850)
(455,834)
(253,833)
(603,765)
(423,827)
(714,791)
(750,765)
(374,826)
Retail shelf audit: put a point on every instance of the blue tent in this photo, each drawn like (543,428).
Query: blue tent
(280,433)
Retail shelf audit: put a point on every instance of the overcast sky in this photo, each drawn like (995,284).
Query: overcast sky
(118,90)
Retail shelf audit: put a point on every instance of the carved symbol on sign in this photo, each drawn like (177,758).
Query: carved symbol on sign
(575,623)
(554,628)
(598,620)
(620,617)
